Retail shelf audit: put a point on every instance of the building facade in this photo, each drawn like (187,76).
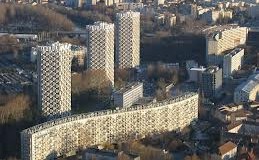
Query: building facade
(248,90)
(253,11)
(195,74)
(127,96)
(127,39)
(78,55)
(100,49)
(212,82)
(212,16)
(129,6)
(222,40)
(54,79)
(69,134)
(232,62)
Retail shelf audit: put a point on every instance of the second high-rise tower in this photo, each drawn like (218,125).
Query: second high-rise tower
(127,33)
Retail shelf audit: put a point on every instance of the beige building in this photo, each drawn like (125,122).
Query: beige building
(231,113)
(232,62)
(213,16)
(67,135)
(100,49)
(127,39)
(127,96)
(54,79)
(221,39)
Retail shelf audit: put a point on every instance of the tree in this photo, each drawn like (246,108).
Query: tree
(9,44)
(25,17)
(15,108)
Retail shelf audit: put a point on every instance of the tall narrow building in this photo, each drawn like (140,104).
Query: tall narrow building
(100,49)
(212,82)
(127,39)
(54,80)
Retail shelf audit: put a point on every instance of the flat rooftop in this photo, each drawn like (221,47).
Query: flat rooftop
(250,84)
(210,31)
(128,87)
(212,69)
(234,52)
(201,69)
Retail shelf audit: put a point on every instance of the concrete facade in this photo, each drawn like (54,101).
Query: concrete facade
(127,39)
(54,79)
(69,134)
(100,49)
(128,95)
(212,82)
(232,62)
(248,90)
(195,74)
(223,40)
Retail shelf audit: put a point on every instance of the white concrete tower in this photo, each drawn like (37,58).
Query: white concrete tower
(54,80)
(127,39)
(100,48)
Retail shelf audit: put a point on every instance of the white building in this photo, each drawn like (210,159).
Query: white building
(248,90)
(106,2)
(170,20)
(100,49)
(223,38)
(127,96)
(70,134)
(195,74)
(54,79)
(232,62)
(227,151)
(129,6)
(128,39)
